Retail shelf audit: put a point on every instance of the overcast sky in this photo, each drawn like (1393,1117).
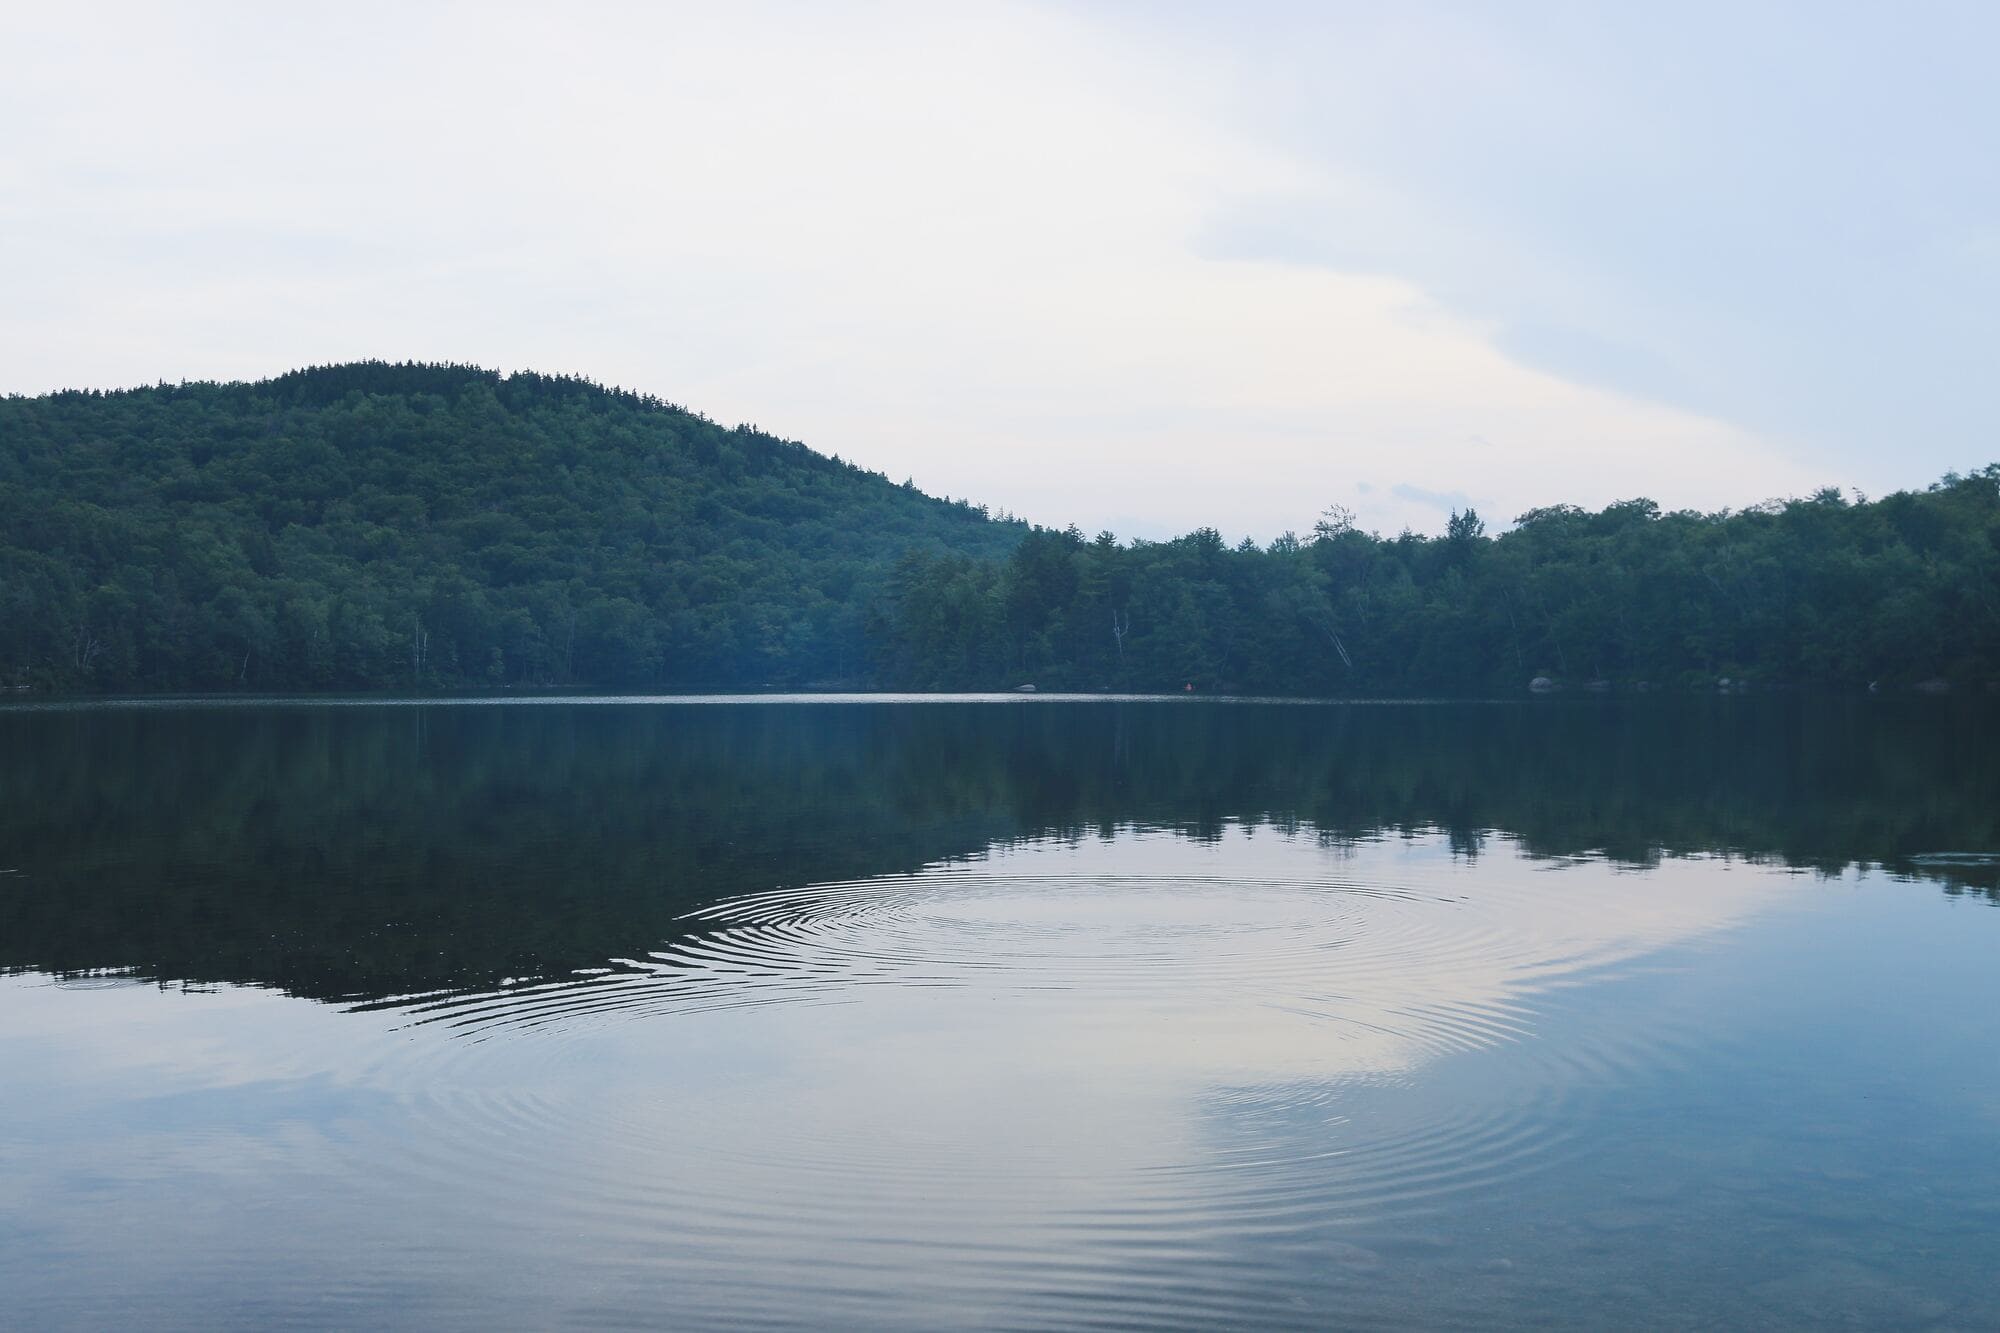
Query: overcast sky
(1136,265)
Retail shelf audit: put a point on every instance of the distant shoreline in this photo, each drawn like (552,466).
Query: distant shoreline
(46,702)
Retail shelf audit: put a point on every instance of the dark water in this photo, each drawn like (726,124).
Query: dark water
(1018,1014)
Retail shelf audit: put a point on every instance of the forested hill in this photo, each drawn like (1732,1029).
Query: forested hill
(377,526)
(387,527)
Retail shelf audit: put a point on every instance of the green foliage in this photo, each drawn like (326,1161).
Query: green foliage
(376,526)
(1813,591)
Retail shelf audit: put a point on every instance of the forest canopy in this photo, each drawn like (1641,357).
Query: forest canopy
(1819,591)
(376,526)
(382,527)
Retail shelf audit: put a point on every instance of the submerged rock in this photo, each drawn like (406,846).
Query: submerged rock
(1355,1258)
(1957,858)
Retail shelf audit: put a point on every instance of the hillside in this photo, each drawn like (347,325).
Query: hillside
(375,526)
(388,527)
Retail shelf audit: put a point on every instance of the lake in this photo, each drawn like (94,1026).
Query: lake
(1000,1013)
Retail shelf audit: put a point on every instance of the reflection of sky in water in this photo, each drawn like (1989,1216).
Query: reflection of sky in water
(1146,1079)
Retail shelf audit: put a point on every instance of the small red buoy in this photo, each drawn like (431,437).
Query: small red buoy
(1189,687)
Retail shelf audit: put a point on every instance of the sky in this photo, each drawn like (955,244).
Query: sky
(1136,266)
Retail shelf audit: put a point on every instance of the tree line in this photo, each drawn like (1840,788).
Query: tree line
(389,527)
(1822,591)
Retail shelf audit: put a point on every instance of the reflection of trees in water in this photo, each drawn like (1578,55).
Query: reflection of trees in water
(367,852)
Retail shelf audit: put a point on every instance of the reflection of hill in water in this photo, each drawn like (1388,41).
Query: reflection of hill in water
(364,852)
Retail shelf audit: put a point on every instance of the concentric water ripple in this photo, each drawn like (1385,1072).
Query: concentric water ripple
(1071,1069)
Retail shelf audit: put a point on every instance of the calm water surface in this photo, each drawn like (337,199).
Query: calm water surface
(1000,1014)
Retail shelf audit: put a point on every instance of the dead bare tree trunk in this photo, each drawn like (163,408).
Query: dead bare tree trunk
(1325,624)
(87,646)
(1514,629)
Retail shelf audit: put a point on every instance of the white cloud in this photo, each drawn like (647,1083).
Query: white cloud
(961,244)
